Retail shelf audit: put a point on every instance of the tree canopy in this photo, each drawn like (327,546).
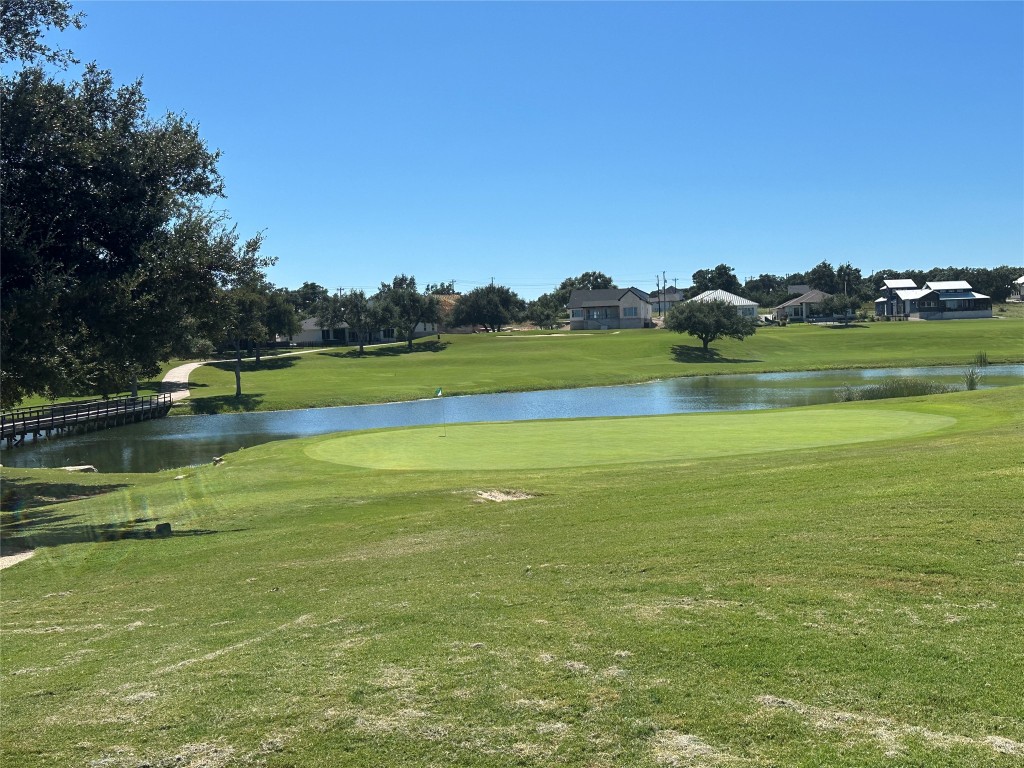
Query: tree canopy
(588,281)
(22,24)
(491,306)
(721,278)
(112,263)
(709,321)
(406,307)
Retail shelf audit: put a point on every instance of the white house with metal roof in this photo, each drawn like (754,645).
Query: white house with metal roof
(745,307)
(938,300)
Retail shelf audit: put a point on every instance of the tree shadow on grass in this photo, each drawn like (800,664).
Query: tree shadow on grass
(841,327)
(684,353)
(251,366)
(204,406)
(21,494)
(393,350)
(50,531)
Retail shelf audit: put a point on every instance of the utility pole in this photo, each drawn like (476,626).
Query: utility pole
(657,288)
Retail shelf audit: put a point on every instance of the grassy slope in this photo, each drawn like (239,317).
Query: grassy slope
(464,364)
(856,605)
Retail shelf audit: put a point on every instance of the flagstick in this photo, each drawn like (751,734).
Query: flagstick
(444,419)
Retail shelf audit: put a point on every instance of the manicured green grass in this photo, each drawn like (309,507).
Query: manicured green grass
(469,364)
(590,442)
(853,604)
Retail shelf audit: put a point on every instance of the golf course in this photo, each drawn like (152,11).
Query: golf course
(833,585)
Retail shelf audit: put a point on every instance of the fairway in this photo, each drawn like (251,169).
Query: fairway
(586,442)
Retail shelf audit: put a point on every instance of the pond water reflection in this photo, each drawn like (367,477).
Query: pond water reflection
(187,440)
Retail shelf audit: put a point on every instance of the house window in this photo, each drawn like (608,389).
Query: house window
(576,314)
(629,311)
(325,335)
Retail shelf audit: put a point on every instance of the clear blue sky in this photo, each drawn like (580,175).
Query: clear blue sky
(527,142)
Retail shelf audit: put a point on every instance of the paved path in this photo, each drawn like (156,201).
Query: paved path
(175,380)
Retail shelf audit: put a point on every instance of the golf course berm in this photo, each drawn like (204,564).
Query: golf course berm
(836,585)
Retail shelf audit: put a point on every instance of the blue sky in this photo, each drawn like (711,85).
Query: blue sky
(527,142)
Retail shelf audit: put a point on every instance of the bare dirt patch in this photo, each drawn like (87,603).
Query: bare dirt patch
(683,749)
(889,734)
(498,495)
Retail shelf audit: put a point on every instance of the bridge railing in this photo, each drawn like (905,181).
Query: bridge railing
(21,421)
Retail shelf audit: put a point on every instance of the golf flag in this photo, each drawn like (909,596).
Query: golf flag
(438,393)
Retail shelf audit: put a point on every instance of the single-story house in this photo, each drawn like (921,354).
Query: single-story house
(938,300)
(745,307)
(802,307)
(605,308)
(313,334)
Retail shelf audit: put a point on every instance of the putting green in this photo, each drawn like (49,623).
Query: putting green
(586,442)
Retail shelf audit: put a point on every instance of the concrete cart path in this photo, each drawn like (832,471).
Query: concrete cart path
(175,380)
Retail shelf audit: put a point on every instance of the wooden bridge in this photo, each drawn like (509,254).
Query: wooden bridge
(18,424)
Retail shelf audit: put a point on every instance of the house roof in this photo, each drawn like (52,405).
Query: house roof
(963,295)
(720,295)
(811,297)
(602,296)
(949,285)
(899,284)
(913,295)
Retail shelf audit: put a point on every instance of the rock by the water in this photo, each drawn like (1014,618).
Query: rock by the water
(163,529)
(81,468)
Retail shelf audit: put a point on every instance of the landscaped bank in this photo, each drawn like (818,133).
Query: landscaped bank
(848,593)
(473,364)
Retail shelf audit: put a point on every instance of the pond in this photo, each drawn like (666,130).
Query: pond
(188,440)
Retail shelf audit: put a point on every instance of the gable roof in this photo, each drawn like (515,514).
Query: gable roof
(949,285)
(902,284)
(602,296)
(811,297)
(913,294)
(730,298)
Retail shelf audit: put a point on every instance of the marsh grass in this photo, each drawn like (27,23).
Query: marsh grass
(843,605)
(972,379)
(895,387)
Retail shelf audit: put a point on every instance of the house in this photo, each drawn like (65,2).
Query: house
(662,301)
(745,307)
(895,294)
(312,334)
(938,300)
(1017,290)
(605,308)
(802,307)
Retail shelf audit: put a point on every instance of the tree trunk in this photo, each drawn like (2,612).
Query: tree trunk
(135,385)
(238,368)
(257,353)
(706,342)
